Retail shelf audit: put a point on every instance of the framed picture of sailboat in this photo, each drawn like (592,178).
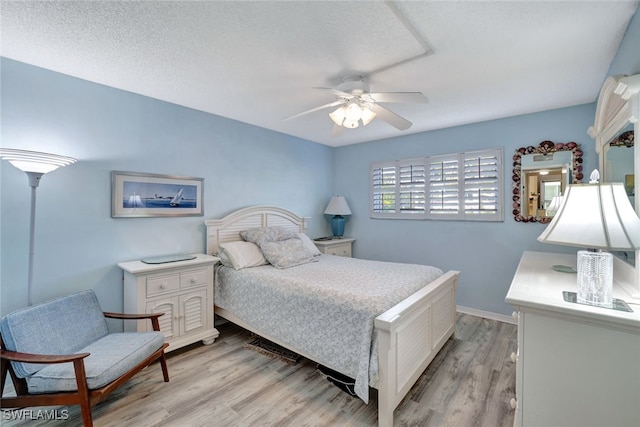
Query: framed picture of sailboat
(141,195)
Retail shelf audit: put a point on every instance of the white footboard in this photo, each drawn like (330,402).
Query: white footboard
(410,335)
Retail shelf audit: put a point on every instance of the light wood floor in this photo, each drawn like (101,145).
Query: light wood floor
(469,383)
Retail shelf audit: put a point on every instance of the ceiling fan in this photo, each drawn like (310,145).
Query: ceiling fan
(357,106)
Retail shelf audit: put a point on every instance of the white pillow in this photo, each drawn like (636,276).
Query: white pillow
(241,255)
(308,243)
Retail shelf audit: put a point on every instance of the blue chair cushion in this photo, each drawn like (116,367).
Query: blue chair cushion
(111,357)
(61,326)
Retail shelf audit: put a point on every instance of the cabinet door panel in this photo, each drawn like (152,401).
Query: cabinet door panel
(168,322)
(193,311)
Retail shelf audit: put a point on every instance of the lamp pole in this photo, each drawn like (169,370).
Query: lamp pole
(34,180)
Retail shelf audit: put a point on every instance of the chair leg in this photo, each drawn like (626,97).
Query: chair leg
(83,391)
(163,365)
(4,368)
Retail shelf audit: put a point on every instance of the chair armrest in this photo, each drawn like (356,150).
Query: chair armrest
(132,316)
(15,356)
(151,316)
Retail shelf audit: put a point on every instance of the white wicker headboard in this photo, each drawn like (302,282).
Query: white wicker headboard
(228,229)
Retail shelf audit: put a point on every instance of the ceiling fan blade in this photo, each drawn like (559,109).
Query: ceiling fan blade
(414,97)
(390,117)
(336,131)
(336,92)
(331,104)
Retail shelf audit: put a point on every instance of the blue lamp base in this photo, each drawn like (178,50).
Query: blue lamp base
(337,225)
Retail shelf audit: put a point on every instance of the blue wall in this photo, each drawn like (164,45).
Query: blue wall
(77,243)
(487,253)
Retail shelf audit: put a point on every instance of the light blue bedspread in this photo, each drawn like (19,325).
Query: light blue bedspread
(325,308)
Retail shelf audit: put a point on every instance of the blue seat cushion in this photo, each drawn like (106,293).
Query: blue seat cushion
(61,326)
(111,357)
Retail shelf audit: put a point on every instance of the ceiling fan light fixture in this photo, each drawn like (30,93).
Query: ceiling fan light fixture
(351,124)
(338,115)
(367,116)
(353,112)
(352,115)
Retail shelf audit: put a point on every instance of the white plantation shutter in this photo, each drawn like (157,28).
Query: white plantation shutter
(411,187)
(383,189)
(444,187)
(461,186)
(483,185)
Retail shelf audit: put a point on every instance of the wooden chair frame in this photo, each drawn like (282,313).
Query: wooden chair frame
(82,396)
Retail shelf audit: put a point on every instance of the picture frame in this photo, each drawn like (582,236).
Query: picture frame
(144,195)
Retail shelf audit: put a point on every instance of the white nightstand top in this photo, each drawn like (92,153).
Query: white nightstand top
(137,267)
(334,241)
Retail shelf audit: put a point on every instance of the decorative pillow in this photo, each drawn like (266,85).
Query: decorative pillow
(308,243)
(267,234)
(241,255)
(287,253)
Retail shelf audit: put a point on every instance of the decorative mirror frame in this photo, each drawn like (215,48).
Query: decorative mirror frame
(618,105)
(545,147)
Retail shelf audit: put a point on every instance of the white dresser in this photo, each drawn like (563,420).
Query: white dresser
(577,365)
(183,290)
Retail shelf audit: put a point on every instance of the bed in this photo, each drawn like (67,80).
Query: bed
(400,338)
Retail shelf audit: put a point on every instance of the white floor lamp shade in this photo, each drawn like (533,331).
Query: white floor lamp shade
(34,164)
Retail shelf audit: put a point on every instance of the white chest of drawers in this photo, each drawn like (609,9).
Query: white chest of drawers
(183,290)
(577,365)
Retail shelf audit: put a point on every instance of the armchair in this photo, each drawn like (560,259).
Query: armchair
(61,353)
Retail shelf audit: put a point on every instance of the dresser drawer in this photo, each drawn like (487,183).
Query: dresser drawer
(340,250)
(162,284)
(193,278)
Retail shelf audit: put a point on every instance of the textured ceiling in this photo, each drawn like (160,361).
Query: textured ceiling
(257,62)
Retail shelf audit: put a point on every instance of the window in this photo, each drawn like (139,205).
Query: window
(461,186)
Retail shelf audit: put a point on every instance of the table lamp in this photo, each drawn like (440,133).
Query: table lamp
(597,217)
(337,207)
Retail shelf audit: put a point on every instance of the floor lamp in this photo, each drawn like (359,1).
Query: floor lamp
(34,164)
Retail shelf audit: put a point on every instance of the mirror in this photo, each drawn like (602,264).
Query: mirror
(540,176)
(618,167)
(617,113)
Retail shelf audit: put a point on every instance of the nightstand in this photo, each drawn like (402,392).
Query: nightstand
(183,290)
(340,247)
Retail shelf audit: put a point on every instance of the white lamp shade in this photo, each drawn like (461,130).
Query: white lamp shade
(33,161)
(367,116)
(338,115)
(353,112)
(351,124)
(597,216)
(337,206)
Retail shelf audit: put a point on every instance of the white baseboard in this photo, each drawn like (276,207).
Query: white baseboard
(485,314)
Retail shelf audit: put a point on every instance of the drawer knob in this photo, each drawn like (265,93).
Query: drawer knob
(514,403)
(193,281)
(513,357)
(162,286)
